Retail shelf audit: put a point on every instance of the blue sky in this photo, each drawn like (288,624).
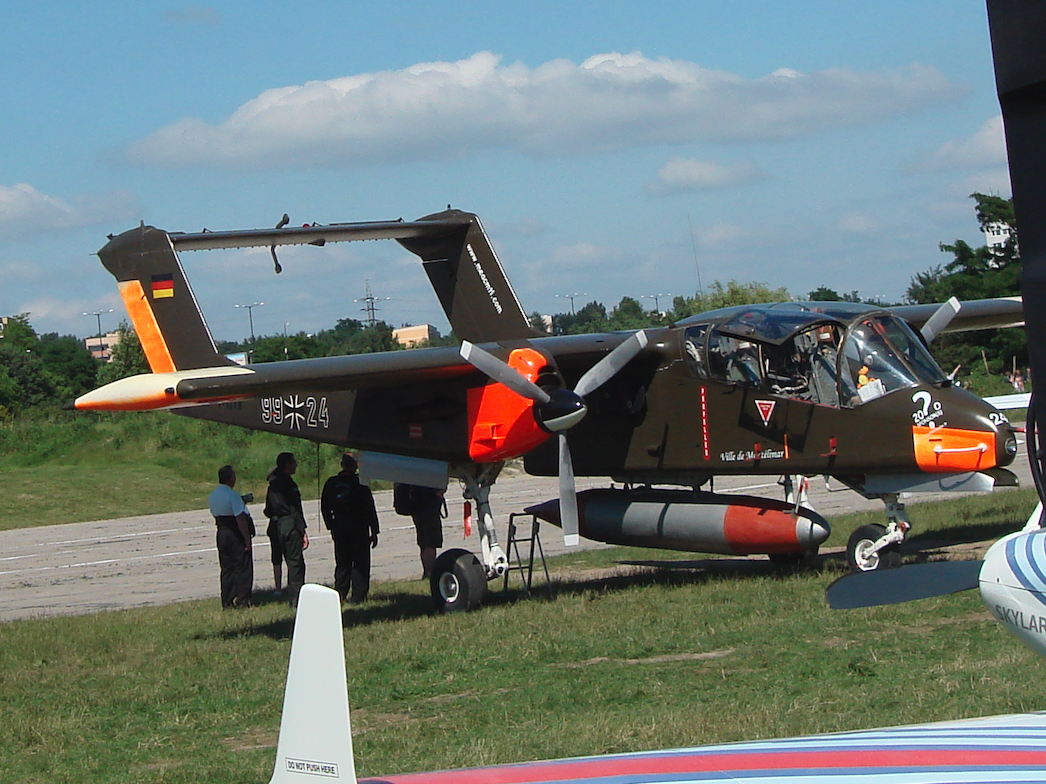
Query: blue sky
(805,143)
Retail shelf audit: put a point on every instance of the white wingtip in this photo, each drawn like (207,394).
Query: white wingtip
(315,737)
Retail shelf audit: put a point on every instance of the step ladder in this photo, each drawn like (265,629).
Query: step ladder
(516,538)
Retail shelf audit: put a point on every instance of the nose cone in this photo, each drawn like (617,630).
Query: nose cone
(1013,586)
(811,530)
(563,410)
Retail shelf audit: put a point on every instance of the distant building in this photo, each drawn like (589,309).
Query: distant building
(101,347)
(412,336)
(997,235)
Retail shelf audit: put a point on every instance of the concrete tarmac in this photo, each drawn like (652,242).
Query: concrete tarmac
(165,558)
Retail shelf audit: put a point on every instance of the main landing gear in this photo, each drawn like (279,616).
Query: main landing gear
(459,579)
(876,546)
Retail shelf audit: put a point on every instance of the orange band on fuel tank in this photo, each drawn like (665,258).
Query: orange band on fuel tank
(502,423)
(145,326)
(946,449)
(760,529)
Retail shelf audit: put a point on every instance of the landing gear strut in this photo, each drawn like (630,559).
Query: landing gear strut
(459,579)
(875,546)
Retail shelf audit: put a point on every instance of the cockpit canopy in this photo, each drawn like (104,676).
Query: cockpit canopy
(830,353)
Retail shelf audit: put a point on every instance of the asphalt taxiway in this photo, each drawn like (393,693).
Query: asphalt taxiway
(159,559)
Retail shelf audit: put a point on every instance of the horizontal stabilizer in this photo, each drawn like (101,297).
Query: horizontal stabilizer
(316,235)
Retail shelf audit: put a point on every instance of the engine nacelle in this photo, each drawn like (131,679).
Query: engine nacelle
(693,522)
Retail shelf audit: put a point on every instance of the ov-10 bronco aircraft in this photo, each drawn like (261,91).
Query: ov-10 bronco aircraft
(844,390)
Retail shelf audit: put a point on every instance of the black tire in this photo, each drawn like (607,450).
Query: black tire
(458,582)
(863,538)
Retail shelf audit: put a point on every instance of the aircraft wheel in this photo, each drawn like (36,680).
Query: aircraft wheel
(458,582)
(858,550)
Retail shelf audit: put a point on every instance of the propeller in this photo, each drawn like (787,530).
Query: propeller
(894,586)
(558,410)
(941,318)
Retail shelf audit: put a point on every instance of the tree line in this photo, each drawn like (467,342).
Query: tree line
(50,370)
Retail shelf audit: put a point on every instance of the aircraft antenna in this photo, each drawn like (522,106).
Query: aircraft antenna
(697,264)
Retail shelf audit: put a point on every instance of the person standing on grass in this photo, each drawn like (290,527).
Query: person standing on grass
(235,529)
(348,512)
(283,502)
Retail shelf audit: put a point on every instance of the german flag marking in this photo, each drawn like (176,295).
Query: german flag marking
(163,286)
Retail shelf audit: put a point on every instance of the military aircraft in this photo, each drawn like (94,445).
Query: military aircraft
(844,390)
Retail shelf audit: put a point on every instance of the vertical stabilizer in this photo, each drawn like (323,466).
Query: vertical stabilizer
(470,282)
(315,739)
(159,301)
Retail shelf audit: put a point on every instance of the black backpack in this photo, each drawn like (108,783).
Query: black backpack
(402,499)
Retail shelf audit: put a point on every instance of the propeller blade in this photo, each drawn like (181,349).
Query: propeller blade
(940,319)
(608,366)
(894,586)
(502,372)
(567,494)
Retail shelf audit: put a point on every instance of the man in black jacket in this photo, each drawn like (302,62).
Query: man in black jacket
(283,504)
(348,511)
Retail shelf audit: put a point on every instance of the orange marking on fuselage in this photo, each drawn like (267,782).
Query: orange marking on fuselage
(145,326)
(502,423)
(948,449)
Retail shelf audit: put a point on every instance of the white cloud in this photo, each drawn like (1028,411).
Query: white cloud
(611,101)
(680,175)
(24,209)
(987,147)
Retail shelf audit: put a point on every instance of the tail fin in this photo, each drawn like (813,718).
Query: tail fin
(315,737)
(469,280)
(159,301)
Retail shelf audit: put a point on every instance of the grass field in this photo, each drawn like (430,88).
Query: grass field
(67,467)
(622,658)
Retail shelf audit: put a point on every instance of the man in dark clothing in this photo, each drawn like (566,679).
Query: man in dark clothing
(233,542)
(426,505)
(348,512)
(283,504)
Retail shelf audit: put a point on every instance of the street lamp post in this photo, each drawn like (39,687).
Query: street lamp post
(98,315)
(571,298)
(657,300)
(250,318)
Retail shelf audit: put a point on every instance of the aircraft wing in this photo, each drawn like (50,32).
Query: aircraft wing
(973,314)
(178,388)
(331,374)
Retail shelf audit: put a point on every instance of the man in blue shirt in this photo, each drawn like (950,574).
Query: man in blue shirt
(235,529)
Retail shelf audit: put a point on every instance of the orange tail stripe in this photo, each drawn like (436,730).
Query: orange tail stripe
(145,326)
